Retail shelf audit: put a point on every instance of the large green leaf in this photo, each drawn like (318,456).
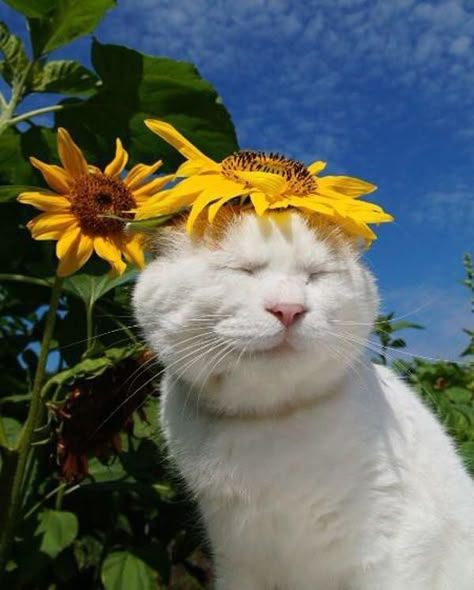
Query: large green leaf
(122,570)
(14,169)
(136,87)
(68,20)
(15,59)
(63,77)
(32,8)
(59,529)
(91,288)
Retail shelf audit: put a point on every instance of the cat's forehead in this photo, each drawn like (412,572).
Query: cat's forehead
(278,235)
(248,237)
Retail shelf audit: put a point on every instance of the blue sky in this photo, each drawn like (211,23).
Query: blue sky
(380,89)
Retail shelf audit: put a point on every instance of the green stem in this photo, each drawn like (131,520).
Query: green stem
(3,102)
(58,504)
(16,278)
(90,329)
(18,90)
(13,493)
(35,113)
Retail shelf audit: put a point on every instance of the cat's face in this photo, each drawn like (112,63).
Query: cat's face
(270,311)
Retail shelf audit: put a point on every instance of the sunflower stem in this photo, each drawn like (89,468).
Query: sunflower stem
(3,102)
(18,90)
(13,488)
(90,329)
(35,113)
(58,504)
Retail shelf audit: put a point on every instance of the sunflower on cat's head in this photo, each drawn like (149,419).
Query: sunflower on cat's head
(265,182)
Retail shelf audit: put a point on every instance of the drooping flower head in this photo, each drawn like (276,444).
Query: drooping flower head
(265,182)
(86,209)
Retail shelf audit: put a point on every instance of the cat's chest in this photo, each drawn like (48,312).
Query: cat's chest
(305,452)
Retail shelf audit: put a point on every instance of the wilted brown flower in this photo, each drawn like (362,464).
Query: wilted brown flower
(95,411)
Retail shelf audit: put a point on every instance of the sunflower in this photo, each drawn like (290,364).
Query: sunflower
(268,181)
(86,209)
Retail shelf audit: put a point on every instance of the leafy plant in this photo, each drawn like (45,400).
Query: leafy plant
(84,502)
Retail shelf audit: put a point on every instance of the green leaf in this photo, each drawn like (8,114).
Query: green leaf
(11,428)
(122,570)
(68,20)
(93,367)
(91,288)
(14,53)
(32,8)
(459,394)
(8,193)
(14,169)
(136,87)
(59,529)
(402,325)
(63,77)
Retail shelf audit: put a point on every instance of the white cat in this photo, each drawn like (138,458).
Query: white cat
(313,469)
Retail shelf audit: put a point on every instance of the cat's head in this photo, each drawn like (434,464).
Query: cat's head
(258,312)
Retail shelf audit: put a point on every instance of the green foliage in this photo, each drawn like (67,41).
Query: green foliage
(98,509)
(446,387)
(58,529)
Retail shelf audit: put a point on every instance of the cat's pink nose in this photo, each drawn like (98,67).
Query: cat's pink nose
(287,313)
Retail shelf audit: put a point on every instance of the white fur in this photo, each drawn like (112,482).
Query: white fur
(313,469)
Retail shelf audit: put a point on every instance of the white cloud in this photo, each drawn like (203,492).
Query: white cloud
(444,209)
(443,311)
(322,55)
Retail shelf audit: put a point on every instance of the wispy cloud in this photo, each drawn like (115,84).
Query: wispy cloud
(444,311)
(323,55)
(447,208)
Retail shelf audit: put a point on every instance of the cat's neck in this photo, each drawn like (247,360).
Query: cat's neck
(213,400)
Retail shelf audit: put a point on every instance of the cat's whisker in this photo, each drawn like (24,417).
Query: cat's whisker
(381,348)
(220,355)
(137,391)
(77,342)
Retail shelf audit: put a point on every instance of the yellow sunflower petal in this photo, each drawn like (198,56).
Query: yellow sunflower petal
(57,178)
(316,167)
(266,182)
(119,162)
(70,155)
(75,256)
(152,187)
(118,267)
(139,172)
(66,241)
(311,205)
(106,249)
(154,206)
(110,251)
(48,223)
(133,250)
(178,141)
(191,167)
(357,228)
(214,208)
(345,185)
(44,201)
(199,204)
(260,202)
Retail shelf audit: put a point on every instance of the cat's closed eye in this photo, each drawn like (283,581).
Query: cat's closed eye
(315,275)
(246,268)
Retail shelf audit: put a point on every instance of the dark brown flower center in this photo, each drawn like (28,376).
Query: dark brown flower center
(95,197)
(298,177)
